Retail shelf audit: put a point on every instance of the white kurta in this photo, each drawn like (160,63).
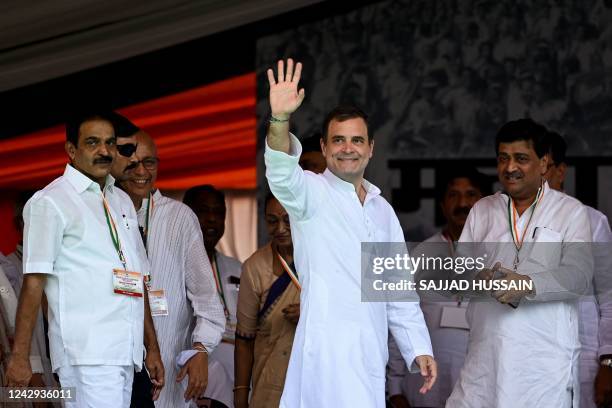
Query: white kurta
(527,357)
(340,348)
(67,238)
(592,326)
(449,345)
(180,267)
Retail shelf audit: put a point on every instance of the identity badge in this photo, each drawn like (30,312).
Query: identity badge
(127,283)
(158,302)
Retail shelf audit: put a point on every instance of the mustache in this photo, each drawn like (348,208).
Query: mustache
(103,160)
(515,173)
(461,211)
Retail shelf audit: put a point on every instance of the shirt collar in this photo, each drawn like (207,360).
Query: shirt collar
(145,201)
(81,182)
(349,187)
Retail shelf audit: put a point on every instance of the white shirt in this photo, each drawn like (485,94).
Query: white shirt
(180,267)
(340,348)
(67,238)
(228,267)
(602,279)
(528,356)
(221,387)
(596,312)
(449,344)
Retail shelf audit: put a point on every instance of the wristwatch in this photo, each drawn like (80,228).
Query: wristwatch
(606,362)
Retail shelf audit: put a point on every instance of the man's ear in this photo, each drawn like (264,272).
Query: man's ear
(70,150)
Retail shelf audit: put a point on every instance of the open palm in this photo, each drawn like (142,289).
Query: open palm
(284,95)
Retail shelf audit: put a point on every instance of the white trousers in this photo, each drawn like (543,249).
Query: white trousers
(98,386)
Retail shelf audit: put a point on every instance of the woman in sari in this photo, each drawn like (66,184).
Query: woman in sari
(268,311)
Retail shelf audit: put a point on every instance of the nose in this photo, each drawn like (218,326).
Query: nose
(140,169)
(210,217)
(103,150)
(464,201)
(348,147)
(511,166)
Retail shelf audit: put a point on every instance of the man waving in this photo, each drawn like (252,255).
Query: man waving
(340,347)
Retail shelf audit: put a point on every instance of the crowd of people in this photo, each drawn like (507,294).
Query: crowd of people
(447,72)
(124,297)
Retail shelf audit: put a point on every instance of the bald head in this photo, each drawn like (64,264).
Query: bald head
(145,144)
(143,174)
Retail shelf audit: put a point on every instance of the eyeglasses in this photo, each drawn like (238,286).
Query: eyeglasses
(126,150)
(149,163)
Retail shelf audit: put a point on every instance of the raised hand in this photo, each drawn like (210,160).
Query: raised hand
(284,95)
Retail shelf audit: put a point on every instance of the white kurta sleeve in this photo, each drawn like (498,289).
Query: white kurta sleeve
(201,289)
(405,319)
(42,235)
(294,188)
(572,278)
(602,281)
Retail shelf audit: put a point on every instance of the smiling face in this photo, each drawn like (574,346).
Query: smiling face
(347,149)
(95,151)
(140,179)
(519,168)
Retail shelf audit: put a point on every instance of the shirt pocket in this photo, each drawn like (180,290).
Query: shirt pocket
(546,250)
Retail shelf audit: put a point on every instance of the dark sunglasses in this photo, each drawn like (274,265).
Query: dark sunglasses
(126,150)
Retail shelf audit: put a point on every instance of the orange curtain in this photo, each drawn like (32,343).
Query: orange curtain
(206,135)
